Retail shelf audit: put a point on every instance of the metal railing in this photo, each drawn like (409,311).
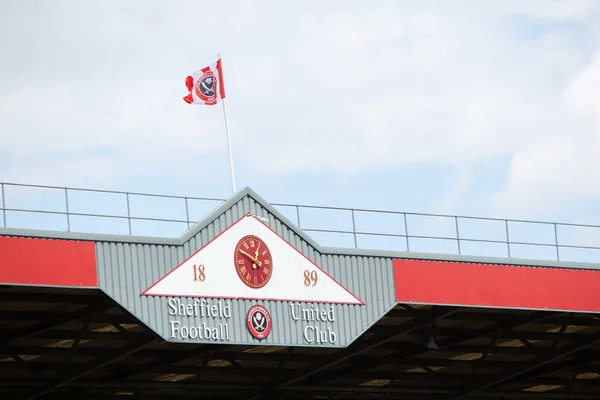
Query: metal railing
(362,228)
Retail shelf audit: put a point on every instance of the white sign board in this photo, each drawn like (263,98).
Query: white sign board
(248,261)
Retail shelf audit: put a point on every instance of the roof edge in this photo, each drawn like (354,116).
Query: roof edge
(88,237)
(524,262)
(247,192)
(237,197)
(42,234)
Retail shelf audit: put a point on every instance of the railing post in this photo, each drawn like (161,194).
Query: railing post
(128,213)
(67,207)
(354,229)
(406,232)
(187,213)
(3,206)
(457,233)
(556,242)
(298,215)
(507,237)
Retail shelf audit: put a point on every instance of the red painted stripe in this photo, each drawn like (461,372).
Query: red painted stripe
(221,81)
(499,286)
(45,262)
(189,83)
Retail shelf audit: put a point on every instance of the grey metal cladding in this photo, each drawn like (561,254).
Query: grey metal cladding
(127,269)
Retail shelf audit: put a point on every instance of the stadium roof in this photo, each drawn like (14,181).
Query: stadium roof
(61,343)
(101,341)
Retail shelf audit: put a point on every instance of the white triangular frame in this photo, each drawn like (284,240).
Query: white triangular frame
(329,278)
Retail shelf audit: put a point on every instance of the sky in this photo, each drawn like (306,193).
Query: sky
(460,107)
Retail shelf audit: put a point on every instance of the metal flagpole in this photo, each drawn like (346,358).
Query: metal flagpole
(229,148)
(228,141)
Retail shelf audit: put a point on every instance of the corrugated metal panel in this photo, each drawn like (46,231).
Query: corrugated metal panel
(127,269)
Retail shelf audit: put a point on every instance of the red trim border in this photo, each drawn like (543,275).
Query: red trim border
(496,286)
(48,262)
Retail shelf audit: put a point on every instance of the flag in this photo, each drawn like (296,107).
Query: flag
(206,85)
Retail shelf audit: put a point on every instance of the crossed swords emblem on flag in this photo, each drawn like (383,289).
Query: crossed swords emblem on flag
(208,90)
(259,321)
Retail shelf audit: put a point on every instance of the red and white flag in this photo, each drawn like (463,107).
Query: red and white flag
(206,85)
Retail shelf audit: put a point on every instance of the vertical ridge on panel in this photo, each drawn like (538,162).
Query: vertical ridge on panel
(358,268)
(384,272)
(101,264)
(380,274)
(225,221)
(143,254)
(136,278)
(253,208)
(349,317)
(391,286)
(154,269)
(374,295)
(114,260)
(333,268)
(129,282)
(278,333)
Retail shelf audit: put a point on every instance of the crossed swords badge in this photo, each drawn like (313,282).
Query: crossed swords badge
(208,90)
(259,322)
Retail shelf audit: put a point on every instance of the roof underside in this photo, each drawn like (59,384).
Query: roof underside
(58,343)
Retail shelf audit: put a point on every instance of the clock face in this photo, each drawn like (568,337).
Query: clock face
(253,261)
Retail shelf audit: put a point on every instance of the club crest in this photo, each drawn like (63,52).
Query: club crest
(259,322)
(206,87)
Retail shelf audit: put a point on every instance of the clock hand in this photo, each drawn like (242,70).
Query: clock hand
(253,259)
(249,257)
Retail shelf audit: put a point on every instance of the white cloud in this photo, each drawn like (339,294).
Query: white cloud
(582,93)
(100,135)
(335,87)
(557,170)
(409,87)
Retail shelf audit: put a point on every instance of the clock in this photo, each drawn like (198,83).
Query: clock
(253,261)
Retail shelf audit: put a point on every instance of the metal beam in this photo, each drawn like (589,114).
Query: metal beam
(413,379)
(46,326)
(38,295)
(482,314)
(473,334)
(37,373)
(89,335)
(390,391)
(480,348)
(579,362)
(164,366)
(479,363)
(167,359)
(357,348)
(530,366)
(281,367)
(508,334)
(298,356)
(230,372)
(105,362)
(61,370)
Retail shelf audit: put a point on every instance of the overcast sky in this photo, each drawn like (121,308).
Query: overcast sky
(470,107)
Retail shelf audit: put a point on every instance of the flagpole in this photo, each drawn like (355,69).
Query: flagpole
(229,147)
(228,140)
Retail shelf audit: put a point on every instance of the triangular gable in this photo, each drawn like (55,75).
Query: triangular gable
(249,260)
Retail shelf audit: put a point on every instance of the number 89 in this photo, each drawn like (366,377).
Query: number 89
(310,278)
